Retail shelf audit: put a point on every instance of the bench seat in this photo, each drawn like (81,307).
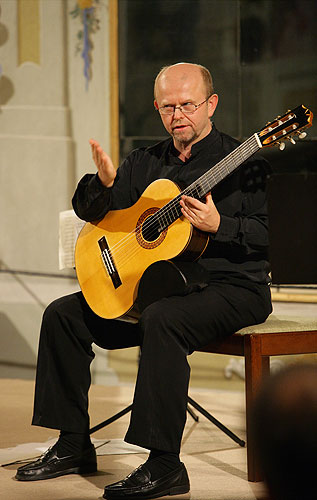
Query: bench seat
(278,335)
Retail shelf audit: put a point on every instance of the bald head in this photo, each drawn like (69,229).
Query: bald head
(180,85)
(182,72)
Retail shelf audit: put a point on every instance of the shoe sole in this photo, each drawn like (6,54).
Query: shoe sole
(176,490)
(88,469)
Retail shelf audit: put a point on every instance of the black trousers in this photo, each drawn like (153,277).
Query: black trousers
(168,331)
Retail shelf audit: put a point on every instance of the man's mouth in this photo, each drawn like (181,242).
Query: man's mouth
(180,127)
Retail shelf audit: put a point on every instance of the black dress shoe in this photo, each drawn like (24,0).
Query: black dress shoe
(50,465)
(138,484)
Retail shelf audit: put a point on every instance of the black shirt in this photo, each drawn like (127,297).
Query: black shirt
(240,246)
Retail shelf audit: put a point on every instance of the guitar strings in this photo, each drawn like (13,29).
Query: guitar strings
(174,204)
(206,182)
(206,185)
(221,170)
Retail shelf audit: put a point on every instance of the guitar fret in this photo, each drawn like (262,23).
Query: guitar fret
(165,219)
(197,190)
(175,211)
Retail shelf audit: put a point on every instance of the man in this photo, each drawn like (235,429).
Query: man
(237,294)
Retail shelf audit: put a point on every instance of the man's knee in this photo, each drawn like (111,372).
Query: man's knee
(60,315)
(55,308)
(51,311)
(155,314)
(162,321)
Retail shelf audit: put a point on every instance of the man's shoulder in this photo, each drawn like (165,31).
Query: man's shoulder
(230,143)
(156,148)
(143,153)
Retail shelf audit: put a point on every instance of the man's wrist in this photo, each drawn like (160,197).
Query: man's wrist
(228,228)
(104,183)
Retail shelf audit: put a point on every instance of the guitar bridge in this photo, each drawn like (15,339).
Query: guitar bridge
(108,262)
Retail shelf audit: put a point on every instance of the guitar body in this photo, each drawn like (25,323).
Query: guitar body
(131,250)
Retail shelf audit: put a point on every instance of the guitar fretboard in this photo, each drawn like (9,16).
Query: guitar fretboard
(199,188)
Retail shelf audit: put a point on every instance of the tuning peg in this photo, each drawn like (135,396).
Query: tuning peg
(281,146)
(302,135)
(292,140)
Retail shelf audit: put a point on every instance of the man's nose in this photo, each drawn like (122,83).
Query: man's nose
(178,110)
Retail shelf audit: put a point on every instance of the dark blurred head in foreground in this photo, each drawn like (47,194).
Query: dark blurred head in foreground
(285,433)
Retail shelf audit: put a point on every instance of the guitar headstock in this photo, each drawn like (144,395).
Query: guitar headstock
(286,126)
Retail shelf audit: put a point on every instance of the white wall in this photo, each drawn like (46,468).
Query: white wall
(46,119)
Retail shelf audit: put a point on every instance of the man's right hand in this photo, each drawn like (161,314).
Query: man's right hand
(106,171)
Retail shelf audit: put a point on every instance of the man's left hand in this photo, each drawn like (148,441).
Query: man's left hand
(204,216)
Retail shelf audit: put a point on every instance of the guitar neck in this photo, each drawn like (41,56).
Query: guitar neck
(203,185)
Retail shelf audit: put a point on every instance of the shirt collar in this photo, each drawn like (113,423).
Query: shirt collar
(199,146)
(207,141)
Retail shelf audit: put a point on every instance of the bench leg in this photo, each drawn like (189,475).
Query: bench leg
(256,368)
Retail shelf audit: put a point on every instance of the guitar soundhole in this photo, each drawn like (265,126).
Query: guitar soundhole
(147,230)
(150,230)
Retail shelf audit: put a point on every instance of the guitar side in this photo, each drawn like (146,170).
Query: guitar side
(131,252)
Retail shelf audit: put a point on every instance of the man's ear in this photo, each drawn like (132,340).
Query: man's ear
(212,104)
(156,106)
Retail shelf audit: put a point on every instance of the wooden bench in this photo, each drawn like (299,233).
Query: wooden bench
(279,335)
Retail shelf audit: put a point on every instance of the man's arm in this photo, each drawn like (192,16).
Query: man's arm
(106,171)
(93,197)
(204,216)
(248,227)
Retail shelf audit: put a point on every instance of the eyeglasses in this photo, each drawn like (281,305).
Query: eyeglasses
(188,108)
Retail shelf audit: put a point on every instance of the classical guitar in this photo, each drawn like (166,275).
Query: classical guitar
(111,255)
